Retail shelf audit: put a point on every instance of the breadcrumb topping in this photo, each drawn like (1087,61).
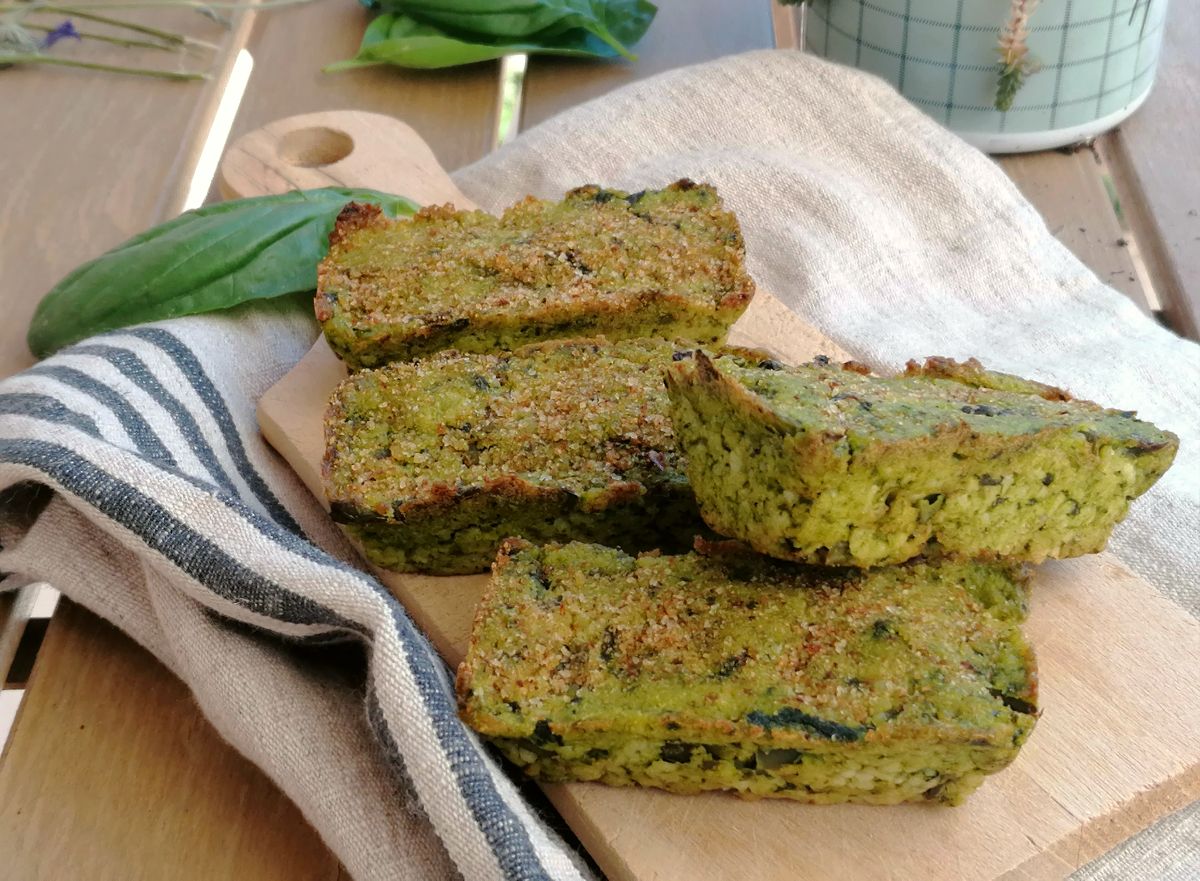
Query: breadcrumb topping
(657,263)
(588,417)
(727,645)
(929,399)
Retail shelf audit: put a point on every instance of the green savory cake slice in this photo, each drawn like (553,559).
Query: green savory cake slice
(831,465)
(729,670)
(666,263)
(430,464)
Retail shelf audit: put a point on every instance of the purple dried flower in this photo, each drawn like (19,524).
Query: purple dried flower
(65,31)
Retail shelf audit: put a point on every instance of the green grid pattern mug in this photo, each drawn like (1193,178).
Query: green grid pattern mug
(1094,62)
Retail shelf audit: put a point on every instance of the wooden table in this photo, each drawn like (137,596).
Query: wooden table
(110,771)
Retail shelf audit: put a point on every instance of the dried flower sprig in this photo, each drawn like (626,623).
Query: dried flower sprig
(136,27)
(7,59)
(1015,63)
(106,38)
(19,46)
(65,31)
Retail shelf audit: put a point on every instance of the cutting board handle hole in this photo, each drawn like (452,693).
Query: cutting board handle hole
(314,147)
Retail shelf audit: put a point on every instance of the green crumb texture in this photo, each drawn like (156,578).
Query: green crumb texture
(825,464)
(722,669)
(665,263)
(430,464)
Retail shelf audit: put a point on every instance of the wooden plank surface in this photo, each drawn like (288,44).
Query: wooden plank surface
(1154,159)
(454,110)
(55,215)
(8,643)
(118,776)
(89,159)
(786,23)
(1068,191)
(684,32)
(120,815)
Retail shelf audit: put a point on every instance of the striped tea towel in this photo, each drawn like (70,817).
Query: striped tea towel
(168,506)
(168,515)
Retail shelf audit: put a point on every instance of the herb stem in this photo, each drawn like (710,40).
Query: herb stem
(603,34)
(161,4)
(34,58)
(105,38)
(168,36)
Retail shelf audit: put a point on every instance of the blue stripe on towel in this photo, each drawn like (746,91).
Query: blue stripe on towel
(46,407)
(504,832)
(147,442)
(228,578)
(186,548)
(189,365)
(404,784)
(135,370)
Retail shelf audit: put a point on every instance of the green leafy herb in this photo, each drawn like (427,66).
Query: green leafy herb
(212,258)
(430,34)
(1015,63)
(1012,78)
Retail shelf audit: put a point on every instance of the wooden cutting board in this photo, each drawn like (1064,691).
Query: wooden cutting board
(1118,744)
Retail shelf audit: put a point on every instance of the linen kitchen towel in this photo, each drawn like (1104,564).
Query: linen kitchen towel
(136,482)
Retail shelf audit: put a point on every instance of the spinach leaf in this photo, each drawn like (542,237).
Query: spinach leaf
(400,40)
(425,39)
(211,258)
(405,42)
(506,20)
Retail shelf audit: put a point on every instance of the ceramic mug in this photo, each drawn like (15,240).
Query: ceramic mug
(1091,62)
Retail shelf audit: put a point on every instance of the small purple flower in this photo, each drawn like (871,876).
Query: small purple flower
(65,31)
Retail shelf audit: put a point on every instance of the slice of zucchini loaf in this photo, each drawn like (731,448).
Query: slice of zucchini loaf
(665,263)
(431,464)
(728,670)
(823,464)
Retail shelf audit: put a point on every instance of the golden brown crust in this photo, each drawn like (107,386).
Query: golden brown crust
(430,464)
(971,372)
(573,633)
(354,217)
(658,263)
(509,548)
(526,427)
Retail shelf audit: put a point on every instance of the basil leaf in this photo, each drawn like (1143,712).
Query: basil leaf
(508,20)
(628,20)
(402,40)
(211,258)
(405,42)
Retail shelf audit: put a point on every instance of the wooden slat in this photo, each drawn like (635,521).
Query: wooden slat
(112,772)
(32,636)
(453,110)
(7,643)
(786,24)
(1154,160)
(1068,190)
(15,610)
(120,795)
(684,32)
(89,159)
